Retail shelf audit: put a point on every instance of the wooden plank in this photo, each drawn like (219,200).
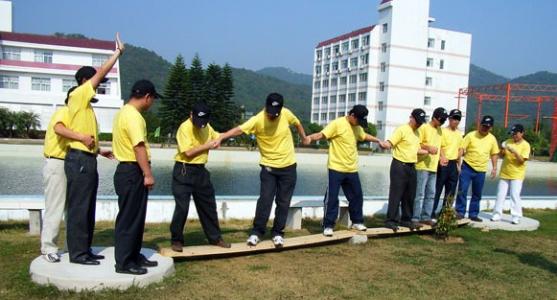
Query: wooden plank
(209,251)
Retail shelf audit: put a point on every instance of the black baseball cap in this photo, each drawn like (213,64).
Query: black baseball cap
(274,104)
(440,114)
(360,112)
(487,121)
(143,87)
(419,116)
(86,72)
(516,128)
(455,114)
(201,114)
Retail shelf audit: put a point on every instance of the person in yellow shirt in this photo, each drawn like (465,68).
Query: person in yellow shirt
(271,128)
(405,142)
(478,147)
(515,153)
(343,135)
(54,179)
(449,162)
(81,161)
(133,179)
(426,167)
(190,177)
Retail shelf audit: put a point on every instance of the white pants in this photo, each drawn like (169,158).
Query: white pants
(502,189)
(54,180)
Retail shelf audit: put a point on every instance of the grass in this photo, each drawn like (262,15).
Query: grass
(493,264)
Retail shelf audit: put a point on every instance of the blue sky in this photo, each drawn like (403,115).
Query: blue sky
(510,37)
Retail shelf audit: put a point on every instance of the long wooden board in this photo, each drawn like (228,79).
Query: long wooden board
(237,249)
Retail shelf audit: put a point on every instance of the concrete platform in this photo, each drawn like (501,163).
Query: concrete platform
(66,276)
(526,224)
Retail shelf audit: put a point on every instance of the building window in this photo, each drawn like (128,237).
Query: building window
(334,82)
(379,125)
(380,106)
(67,84)
(427,100)
(342,98)
(316,100)
(9,82)
(324,100)
(345,46)
(315,117)
(362,97)
(353,79)
(341,114)
(11,53)
(384,47)
(43,56)
(103,88)
(365,40)
(441,64)
(327,68)
(317,85)
(431,43)
(328,52)
(335,65)
(429,62)
(323,116)
(383,67)
(364,59)
(99,60)
(343,80)
(352,97)
(317,70)
(355,44)
(385,28)
(336,50)
(40,84)
(428,81)
(333,99)
(325,83)
(363,77)
(442,44)
(354,62)
(344,64)
(382,86)
(319,54)
(332,116)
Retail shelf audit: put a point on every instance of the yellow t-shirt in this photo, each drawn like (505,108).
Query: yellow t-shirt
(479,149)
(128,131)
(274,138)
(82,117)
(189,137)
(406,144)
(343,147)
(450,142)
(431,136)
(55,145)
(511,169)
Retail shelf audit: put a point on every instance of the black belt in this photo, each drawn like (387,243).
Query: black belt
(77,151)
(191,165)
(405,163)
(53,157)
(131,162)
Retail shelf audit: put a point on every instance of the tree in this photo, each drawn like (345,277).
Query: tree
(195,83)
(371,129)
(314,128)
(174,107)
(231,112)
(213,96)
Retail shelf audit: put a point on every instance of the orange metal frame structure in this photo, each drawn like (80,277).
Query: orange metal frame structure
(537,93)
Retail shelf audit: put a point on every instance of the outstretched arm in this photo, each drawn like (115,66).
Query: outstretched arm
(107,66)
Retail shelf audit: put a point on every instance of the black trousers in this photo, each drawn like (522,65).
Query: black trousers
(188,180)
(132,208)
(81,196)
(402,191)
(277,184)
(447,177)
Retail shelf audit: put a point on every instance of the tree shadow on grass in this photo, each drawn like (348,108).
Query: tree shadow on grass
(533,259)
(11,225)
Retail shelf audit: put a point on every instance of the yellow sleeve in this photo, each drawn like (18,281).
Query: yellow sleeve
(525,153)
(444,137)
(494,146)
(61,116)
(330,131)
(396,137)
(213,135)
(422,132)
(466,141)
(184,138)
(360,134)
(80,98)
(292,119)
(136,129)
(249,126)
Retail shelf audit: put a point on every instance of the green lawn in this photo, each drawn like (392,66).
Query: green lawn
(493,264)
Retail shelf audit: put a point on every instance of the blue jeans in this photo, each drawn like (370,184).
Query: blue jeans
(425,193)
(350,183)
(467,176)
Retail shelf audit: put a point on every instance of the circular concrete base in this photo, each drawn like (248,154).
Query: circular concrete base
(67,276)
(526,224)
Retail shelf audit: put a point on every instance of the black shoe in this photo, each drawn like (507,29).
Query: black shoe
(85,261)
(144,262)
(221,243)
(391,225)
(411,225)
(95,256)
(131,270)
(176,246)
(476,219)
(459,216)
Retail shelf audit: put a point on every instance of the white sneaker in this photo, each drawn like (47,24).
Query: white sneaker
(516,220)
(359,227)
(328,231)
(496,217)
(51,257)
(278,241)
(253,240)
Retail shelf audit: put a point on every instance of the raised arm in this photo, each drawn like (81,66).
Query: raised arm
(107,66)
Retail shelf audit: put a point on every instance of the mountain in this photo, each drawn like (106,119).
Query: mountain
(543,77)
(287,75)
(481,76)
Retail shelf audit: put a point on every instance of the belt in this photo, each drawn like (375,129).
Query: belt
(129,162)
(53,157)
(405,163)
(83,152)
(191,165)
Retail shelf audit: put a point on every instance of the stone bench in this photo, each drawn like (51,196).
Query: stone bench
(34,206)
(294,219)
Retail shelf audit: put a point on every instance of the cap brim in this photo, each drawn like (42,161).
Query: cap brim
(158,96)
(104,80)
(200,122)
(363,122)
(273,110)
(487,124)
(456,117)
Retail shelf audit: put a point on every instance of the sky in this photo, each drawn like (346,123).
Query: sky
(509,37)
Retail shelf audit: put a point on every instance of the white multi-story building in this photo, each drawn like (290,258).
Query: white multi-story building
(395,66)
(36,72)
